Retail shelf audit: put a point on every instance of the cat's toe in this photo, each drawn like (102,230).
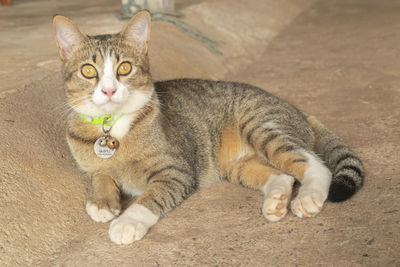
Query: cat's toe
(99,214)
(307,204)
(275,207)
(114,205)
(124,231)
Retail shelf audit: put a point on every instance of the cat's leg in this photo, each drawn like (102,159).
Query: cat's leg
(277,187)
(104,203)
(314,176)
(288,153)
(167,187)
(314,187)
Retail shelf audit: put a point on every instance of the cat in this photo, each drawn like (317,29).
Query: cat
(159,142)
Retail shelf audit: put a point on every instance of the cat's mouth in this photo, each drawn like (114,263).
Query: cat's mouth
(109,103)
(125,104)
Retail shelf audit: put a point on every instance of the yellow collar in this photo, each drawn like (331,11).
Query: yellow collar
(106,120)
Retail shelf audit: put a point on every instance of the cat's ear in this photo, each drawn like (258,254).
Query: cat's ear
(137,30)
(68,36)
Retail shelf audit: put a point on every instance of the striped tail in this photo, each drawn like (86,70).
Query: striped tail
(347,169)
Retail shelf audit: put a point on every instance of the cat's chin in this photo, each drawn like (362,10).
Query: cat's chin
(110,107)
(94,110)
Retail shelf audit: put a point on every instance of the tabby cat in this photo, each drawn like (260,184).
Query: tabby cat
(161,141)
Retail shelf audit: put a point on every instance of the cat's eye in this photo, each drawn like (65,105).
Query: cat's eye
(125,68)
(88,71)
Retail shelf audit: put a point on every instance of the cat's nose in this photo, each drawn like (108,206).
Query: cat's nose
(109,91)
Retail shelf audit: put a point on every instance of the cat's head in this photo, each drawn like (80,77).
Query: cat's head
(106,74)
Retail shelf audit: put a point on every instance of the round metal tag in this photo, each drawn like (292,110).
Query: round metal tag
(104,151)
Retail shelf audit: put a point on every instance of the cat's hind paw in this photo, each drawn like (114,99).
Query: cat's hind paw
(307,204)
(102,213)
(277,190)
(275,207)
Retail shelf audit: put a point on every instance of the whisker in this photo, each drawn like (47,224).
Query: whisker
(67,104)
(65,108)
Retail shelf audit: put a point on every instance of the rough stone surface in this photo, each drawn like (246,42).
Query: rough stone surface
(337,60)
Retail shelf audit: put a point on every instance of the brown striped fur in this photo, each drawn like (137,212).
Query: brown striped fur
(192,131)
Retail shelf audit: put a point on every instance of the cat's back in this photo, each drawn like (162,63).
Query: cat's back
(215,100)
(206,96)
(189,90)
(203,108)
(199,88)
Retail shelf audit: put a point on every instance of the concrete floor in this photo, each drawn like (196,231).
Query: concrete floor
(336,59)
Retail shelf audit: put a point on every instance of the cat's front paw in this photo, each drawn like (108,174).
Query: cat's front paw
(132,225)
(124,231)
(103,211)
(307,204)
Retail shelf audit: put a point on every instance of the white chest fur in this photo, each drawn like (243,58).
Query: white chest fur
(122,126)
